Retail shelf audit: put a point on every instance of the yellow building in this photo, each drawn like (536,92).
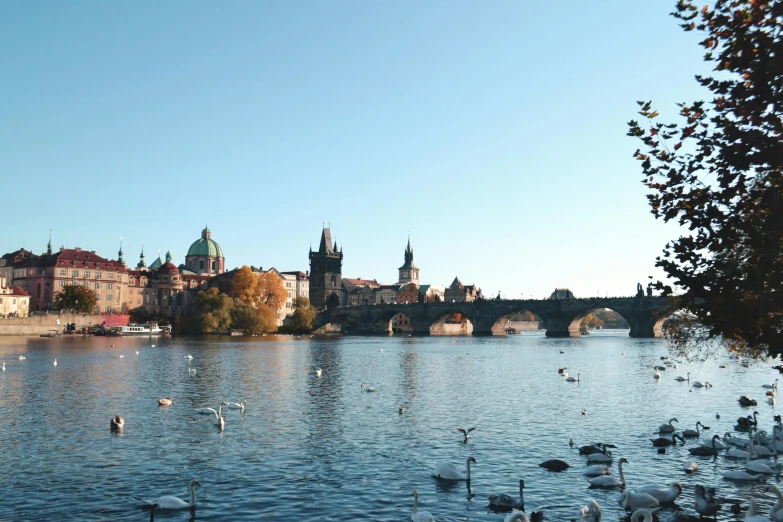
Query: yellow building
(14,302)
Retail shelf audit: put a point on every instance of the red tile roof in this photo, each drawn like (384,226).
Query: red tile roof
(76,258)
(19,291)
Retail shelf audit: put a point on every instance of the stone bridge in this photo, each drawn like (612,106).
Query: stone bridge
(562,317)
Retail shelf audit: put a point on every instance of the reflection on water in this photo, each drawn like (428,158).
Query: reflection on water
(317,447)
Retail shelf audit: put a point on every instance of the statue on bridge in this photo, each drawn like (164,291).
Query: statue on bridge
(649,289)
(639,290)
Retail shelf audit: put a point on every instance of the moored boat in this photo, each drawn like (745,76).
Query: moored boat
(141,329)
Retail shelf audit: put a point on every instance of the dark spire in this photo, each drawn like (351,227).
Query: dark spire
(326,242)
(168,256)
(408,256)
(119,255)
(141,264)
(49,245)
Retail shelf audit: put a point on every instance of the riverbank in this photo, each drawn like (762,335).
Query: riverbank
(44,324)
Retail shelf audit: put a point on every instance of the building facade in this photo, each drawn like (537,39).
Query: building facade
(459,293)
(326,266)
(302,283)
(14,302)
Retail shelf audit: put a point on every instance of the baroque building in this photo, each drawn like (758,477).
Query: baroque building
(326,266)
(205,256)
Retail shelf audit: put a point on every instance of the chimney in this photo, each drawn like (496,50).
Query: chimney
(78,249)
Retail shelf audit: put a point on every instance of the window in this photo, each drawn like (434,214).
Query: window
(110,275)
(289,295)
(98,297)
(108,286)
(97,275)
(63,272)
(1,300)
(86,273)
(13,301)
(288,285)
(108,309)
(74,273)
(86,284)
(201,264)
(97,285)
(213,265)
(108,297)
(62,283)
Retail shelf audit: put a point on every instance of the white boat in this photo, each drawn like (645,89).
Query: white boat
(142,329)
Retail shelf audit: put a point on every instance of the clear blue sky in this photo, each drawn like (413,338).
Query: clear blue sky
(493,131)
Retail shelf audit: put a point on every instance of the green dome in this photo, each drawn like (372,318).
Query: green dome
(206,246)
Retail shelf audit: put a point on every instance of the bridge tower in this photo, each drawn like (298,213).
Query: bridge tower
(409,273)
(326,266)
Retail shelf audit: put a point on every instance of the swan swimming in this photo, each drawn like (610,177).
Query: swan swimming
(697,384)
(172,502)
(682,379)
(504,502)
(663,495)
(776,511)
(590,512)
(572,379)
(448,471)
(367,389)
(705,502)
(241,405)
(420,516)
(55,362)
(3,366)
(165,402)
(773,386)
(607,481)
(597,469)
(656,375)
(742,476)
(668,427)
(693,433)
(22,357)
(208,411)
(184,357)
(600,458)
(318,372)
(220,422)
(635,500)
(690,467)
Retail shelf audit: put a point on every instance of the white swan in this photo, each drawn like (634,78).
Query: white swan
(682,379)
(742,476)
(220,422)
(3,366)
(668,427)
(697,384)
(184,357)
(656,375)
(448,471)
(172,502)
(600,458)
(368,389)
(773,386)
(690,467)
(22,357)
(574,379)
(597,469)
(55,361)
(635,500)
(590,512)
(165,402)
(776,511)
(516,516)
(642,514)
(750,514)
(607,481)
(137,352)
(420,516)
(208,411)
(766,468)
(318,372)
(191,371)
(664,495)
(241,405)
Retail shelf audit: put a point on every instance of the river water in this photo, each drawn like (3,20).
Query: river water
(318,448)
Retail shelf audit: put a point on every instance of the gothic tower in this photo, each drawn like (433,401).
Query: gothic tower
(409,273)
(326,266)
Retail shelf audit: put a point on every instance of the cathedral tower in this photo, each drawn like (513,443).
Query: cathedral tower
(326,266)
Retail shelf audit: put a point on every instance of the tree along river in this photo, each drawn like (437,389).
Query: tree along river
(312,447)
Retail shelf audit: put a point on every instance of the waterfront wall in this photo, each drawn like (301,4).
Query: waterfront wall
(43,324)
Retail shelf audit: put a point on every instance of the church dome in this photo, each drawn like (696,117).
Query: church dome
(206,246)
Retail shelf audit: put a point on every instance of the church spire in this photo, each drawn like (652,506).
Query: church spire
(49,245)
(119,254)
(168,256)
(141,264)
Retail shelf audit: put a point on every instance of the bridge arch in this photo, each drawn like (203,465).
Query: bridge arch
(517,321)
(453,322)
(598,316)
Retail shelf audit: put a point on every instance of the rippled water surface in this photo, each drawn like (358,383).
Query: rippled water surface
(318,448)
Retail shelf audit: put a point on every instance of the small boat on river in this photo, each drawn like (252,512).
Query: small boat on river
(141,329)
